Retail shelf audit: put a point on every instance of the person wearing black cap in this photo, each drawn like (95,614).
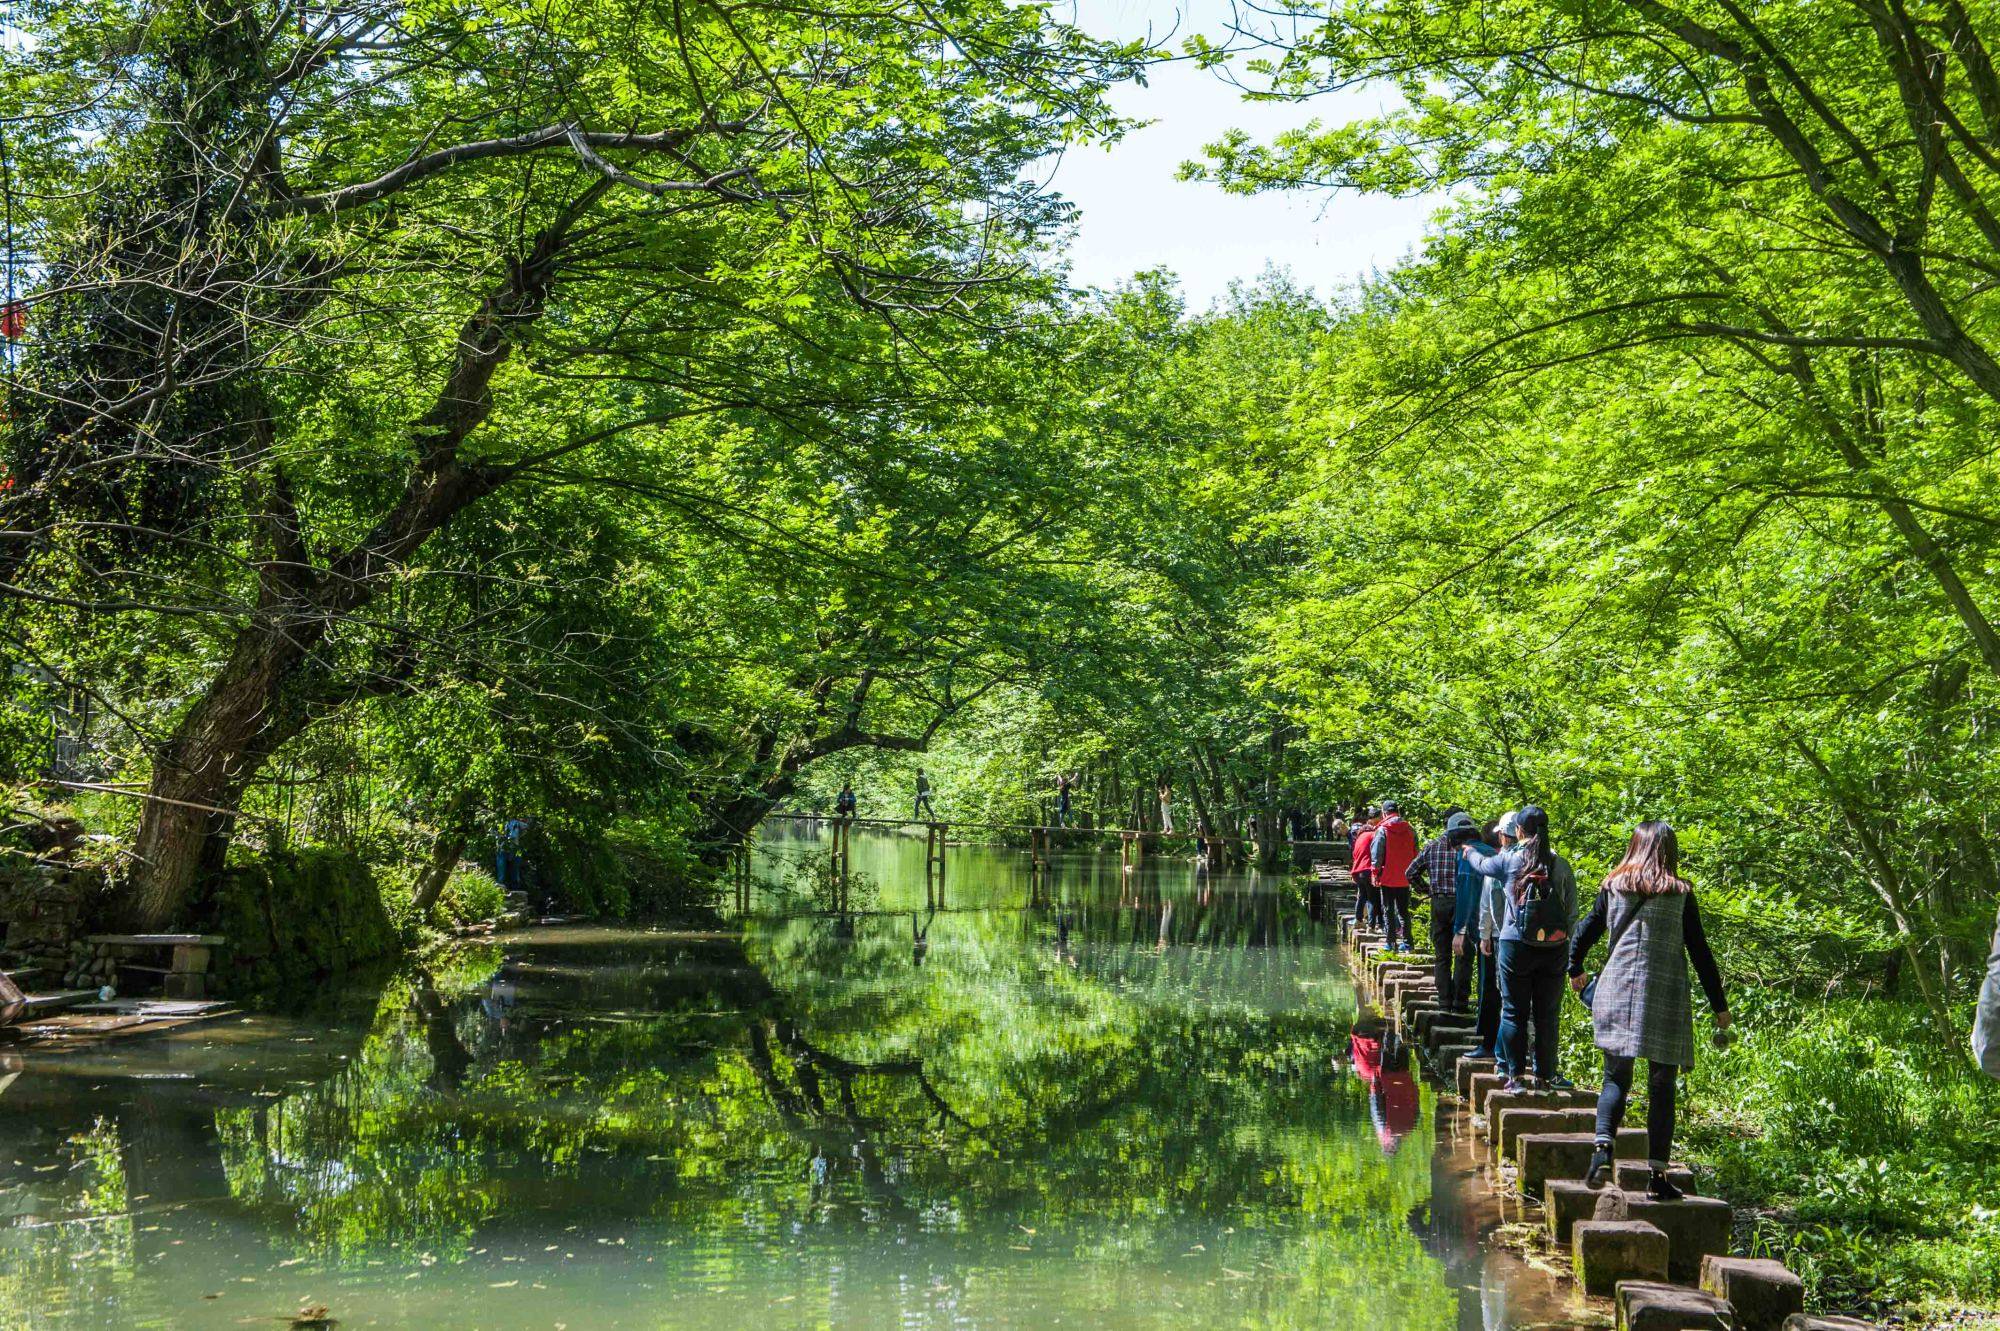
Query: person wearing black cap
(1435,869)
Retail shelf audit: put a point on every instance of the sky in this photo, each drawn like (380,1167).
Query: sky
(1136,215)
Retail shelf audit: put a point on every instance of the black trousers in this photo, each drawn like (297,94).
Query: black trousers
(1662,1080)
(1531,986)
(1452,971)
(1396,917)
(1367,901)
(1488,1029)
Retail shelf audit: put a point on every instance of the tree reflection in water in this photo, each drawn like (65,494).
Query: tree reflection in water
(1124,1100)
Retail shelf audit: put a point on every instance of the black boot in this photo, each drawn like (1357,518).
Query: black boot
(1660,1189)
(1600,1166)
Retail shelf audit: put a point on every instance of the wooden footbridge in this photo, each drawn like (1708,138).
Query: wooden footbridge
(1132,846)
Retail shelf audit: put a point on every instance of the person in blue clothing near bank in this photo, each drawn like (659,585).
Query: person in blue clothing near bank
(1532,948)
(507,855)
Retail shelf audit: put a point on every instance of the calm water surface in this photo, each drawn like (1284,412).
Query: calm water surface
(1132,1102)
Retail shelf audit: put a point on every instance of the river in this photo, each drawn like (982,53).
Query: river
(1128,1101)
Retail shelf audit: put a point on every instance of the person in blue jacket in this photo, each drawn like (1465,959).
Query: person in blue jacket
(1467,935)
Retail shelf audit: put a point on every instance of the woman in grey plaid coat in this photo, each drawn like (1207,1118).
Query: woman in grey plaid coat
(1641,1006)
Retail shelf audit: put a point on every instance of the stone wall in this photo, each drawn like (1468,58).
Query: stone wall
(46,909)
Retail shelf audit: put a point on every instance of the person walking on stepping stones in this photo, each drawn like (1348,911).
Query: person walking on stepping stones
(1640,1004)
(1472,936)
(1367,900)
(1390,852)
(1540,904)
(1986,1022)
(1436,869)
(923,807)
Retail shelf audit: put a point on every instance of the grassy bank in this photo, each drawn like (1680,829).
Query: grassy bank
(297,909)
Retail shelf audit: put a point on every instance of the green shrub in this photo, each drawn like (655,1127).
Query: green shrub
(469,895)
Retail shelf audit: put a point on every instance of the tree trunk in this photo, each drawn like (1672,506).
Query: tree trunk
(255,704)
(446,852)
(202,771)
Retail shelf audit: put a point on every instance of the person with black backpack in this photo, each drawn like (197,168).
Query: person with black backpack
(1540,905)
(1639,1006)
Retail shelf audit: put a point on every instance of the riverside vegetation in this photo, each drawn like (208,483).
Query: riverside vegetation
(633,419)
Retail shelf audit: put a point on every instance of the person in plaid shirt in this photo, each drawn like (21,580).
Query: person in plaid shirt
(1436,870)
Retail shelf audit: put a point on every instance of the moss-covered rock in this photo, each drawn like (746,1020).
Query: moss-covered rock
(296,916)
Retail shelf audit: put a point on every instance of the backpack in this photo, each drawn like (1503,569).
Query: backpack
(1541,908)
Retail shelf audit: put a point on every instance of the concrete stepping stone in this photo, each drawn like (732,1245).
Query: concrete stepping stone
(1433,1027)
(1565,1203)
(1763,1292)
(1468,1068)
(1645,1305)
(1697,1226)
(1807,1322)
(1399,992)
(1482,1085)
(1512,1123)
(1605,1252)
(1499,1101)
(1551,1155)
(1634,1175)
(1446,1056)
(1441,1038)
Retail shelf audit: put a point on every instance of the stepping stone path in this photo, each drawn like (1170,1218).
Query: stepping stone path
(1634,1175)
(1698,1227)
(1645,1305)
(1507,1126)
(1606,1252)
(1762,1291)
(1565,1201)
(1622,1244)
(1546,1155)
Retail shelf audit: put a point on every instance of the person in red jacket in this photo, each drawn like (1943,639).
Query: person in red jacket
(1367,901)
(1391,850)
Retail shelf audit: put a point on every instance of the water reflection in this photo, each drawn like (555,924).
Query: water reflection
(1100,1098)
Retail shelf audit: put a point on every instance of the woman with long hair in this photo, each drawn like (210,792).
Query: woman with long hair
(1540,904)
(1642,1007)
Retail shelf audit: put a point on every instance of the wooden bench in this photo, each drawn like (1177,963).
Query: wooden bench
(189,957)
